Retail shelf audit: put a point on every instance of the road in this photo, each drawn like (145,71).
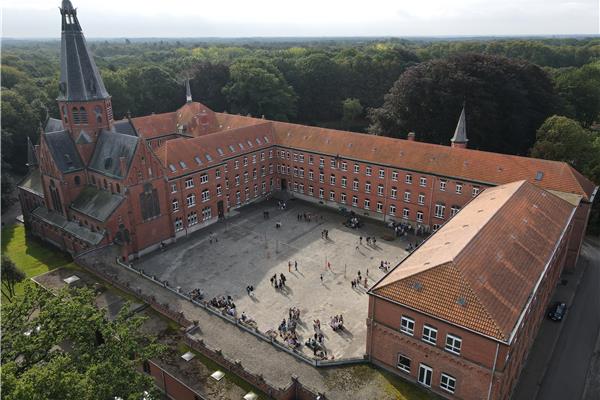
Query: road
(566,373)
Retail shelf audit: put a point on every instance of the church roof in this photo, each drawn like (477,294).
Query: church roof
(72,228)
(63,151)
(79,76)
(481,269)
(97,203)
(110,147)
(33,182)
(53,125)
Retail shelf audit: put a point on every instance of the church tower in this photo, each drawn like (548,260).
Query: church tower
(460,133)
(84,104)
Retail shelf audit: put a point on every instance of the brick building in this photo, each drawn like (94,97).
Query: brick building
(95,181)
(460,313)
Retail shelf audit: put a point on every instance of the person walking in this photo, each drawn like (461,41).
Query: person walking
(289,266)
(296,265)
(321,278)
(360,240)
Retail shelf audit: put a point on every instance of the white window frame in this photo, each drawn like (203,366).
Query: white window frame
(453,344)
(448,383)
(403,367)
(189,183)
(423,181)
(459,188)
(429,334)
(408,179)
(407,325)
(427,368)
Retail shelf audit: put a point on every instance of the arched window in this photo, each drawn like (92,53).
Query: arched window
(77,180)
(56,204)
(75,113)
(98,112)
(83,115)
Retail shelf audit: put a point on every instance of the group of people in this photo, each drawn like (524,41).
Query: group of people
(355,283)
(281,205)
(250,290)
(307,217)
(290,266)
(278,283)
(196,294)
(385,266)
(325,234)
(212,237)
(412,247)
(224,302)
(353,222)
(336,322)
(287,330)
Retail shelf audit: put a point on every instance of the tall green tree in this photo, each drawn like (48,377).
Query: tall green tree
(579,88)
(258,88)
(507,100)
(208,81)
(153,89)
(64,347)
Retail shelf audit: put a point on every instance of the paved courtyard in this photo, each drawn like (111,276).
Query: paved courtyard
(249,250)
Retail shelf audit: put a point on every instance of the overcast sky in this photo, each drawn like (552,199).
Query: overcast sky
(237,18)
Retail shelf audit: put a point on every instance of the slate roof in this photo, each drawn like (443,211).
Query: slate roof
(110,147)
(79,76)
(53,125)
(33,182)
(480,270)
(63,150)
(58,220)
(96,203)
(125,127)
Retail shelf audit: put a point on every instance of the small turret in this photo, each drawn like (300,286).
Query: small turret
(460,133)
(188,91)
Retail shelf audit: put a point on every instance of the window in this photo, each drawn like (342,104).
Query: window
(453,344)
(218,173)
(419,216)
(236,164)
(408,179)
(237,180)
(392,209)
(178,224)
(192,218)
(332,163)
(182,164)
(206,213)
(429,334)
(175,205)
(454,210)
(458,188)
(380,190)
(203,178)
(310,190)
(356,168)
(421,199)
(190,200)
(448,383)
(245,176)
(425,374)
(379,207)
(173,188)
(220,151)
(439,210)
(403,363)
(311,175)
(270,153)
(368,187)
(301,158)
(355,184)
(423,181)
(205,195)
(355,201)
(332,196)
(343,198)
(262,156)
(368,171)
(255,174)
(189,183)
(405,213)
(332,180)
(407,325)
(208,157)
(245,161)
(381,173)
(344,181)
(394,193)
(321,162)
(475,191)
(254,159)
(219,190)
(394,175)
(321,193)
(77,180)
(367,204)
(238,198)
(443,185)
(310,160)
(263,171)
(321,178)
(407,197)
(344,166)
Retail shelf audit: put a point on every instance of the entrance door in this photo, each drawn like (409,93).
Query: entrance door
(283,184)
(425,374)
(220,209)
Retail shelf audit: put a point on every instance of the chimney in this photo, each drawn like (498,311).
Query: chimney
(411,136)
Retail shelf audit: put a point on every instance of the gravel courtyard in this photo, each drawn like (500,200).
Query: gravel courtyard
(249,250)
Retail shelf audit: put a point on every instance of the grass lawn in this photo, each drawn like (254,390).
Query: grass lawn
(32,256)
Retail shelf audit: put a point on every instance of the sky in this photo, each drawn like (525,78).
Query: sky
(245,18)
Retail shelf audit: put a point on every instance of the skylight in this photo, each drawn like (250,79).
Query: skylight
(249,143)
(182,164)
(220,151)
(266,139)
(539,175)
(198,160)
(258,142)
(172,168)
(232,148)
(208,157)
(241,146)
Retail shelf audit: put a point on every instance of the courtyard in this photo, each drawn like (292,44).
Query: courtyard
(248,249)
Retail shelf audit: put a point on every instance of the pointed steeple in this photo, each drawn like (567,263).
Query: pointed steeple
(31,156)
(188,91)
(79,76)
(460,133)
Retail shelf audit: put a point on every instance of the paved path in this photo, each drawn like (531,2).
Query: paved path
(557,365)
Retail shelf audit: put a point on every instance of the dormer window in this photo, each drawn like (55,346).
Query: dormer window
(182,165)
(208,157)
(172,168)
(107,163)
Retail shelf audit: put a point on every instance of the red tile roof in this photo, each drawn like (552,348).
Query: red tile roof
(482,267)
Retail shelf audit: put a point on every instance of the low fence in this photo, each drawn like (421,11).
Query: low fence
(294,391)
(252,330)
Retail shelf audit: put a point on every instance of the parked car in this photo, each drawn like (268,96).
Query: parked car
(557,311)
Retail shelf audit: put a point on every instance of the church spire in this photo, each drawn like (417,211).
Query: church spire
(460,133)
(79,76)
(188,91)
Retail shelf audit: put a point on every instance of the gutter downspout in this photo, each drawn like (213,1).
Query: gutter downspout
(493,372)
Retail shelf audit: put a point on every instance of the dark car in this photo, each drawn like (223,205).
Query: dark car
(557,311)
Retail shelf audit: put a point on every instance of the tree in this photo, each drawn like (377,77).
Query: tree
(64,347)
(208,81)
(352,109)
(11,275)
(152,89)
(579,88)
(258,88)
(506,102)
(563,139)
